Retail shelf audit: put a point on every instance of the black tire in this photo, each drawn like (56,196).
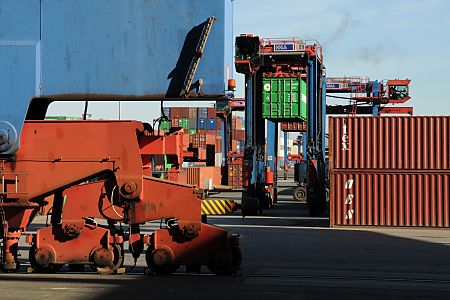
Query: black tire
(227,268)
(300,193)
(251,206)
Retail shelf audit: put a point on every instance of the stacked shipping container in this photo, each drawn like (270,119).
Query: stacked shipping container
(204,129)
(390,171)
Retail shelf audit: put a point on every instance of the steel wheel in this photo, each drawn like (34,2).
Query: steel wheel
(159,261)
(36,267)
(117,261)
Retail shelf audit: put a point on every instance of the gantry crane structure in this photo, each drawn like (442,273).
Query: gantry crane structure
(365,97)
(369,96)
(261,60)
(98,172)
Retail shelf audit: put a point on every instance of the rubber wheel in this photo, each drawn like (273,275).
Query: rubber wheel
(51,268)
(268,200)
(300,193)
(156,269)
(226,263)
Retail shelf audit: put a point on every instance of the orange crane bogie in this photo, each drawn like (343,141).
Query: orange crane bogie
(95,170)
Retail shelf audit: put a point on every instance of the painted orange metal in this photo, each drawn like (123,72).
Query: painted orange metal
(67,152)
(163,199)
(100,204)
(55,156)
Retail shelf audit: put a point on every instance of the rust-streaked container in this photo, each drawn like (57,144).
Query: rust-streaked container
(417,142)
(235,174)
(211,113)
(175,112)
(203,177)
(193,113)
(400,198)
(239,135)
(184,112)
(293,126)
(390,171)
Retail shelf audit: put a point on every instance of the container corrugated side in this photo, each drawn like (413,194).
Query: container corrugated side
(284,98)
(397,142)
(293,126)
(401,198)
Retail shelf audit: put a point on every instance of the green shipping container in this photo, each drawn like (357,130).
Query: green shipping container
(184,123)
(192,131)
(284,98)
(164,125)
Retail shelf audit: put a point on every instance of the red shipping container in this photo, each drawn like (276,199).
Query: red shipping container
(195,140)
(175,112)
(211,112)
(197,175)
(175,122)
(235,174)
(239,135)
(293,126)
(238,123)
(210,139)
(400,198)
(390,142)
(218,144)
(233,146)
(390,171)
(219,124)
(201,153)
(202,131)
(184,112)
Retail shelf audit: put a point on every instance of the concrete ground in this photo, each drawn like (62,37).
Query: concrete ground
(287,255)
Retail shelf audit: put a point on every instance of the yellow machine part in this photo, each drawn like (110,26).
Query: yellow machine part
(218,206)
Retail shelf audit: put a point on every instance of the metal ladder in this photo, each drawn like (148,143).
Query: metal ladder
(197,55)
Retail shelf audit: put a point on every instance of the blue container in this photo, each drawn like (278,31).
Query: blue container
(202,113)
(167,111)
(202,123)
(104,49)
(211,124)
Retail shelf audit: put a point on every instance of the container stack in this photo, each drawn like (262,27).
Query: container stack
(205,132)
(390,171)
(238,135)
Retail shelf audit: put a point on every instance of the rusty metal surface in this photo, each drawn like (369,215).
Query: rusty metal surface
(196,176)
(390,142)
(390,171)
(293,126)
(403,198)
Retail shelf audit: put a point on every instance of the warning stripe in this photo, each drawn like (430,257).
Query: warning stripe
(217,206)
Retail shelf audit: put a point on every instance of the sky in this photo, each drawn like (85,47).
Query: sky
(383,39)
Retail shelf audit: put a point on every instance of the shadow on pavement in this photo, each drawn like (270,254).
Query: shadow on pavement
(288,263)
